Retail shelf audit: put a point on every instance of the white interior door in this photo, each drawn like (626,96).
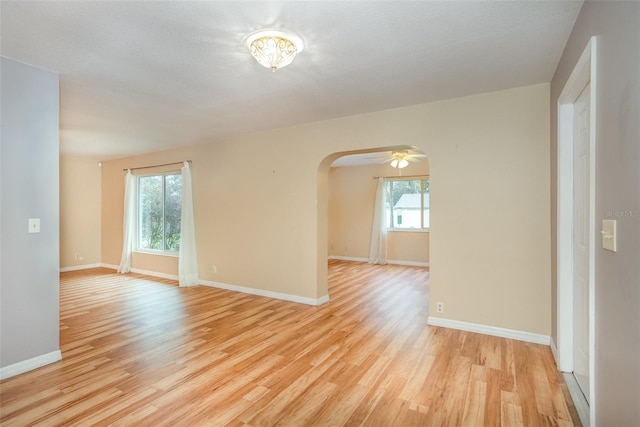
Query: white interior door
(581,241)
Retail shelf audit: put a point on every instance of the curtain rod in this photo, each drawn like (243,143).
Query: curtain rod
(403,176)
(156,166)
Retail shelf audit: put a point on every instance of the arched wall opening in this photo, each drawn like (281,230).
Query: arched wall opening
(489,237)
(344,232)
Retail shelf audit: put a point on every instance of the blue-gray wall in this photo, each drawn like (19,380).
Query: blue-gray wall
(617,174)
(29,262)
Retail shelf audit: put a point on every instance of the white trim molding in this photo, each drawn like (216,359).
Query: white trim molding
(348,258)
(111,266)
(80,267)
(145,272)
(583,73)
(554,350)
(235,288)
(409,263)
(269,294)
(579,401)
(389,261)
(30,364)
(490,330)
(155,274)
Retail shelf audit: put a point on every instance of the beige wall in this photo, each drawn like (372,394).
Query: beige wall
(351,197)
(489,181)
(261,202)
(617,176)
(80,202)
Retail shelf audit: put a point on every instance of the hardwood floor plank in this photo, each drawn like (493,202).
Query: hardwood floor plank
(511,411)
(308,405)
(140,351)
(340,406)
(388,407)
(473,414)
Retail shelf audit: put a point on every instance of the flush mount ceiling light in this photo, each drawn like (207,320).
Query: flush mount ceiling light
(274,49)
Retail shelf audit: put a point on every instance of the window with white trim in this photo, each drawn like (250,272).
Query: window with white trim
(159,212)
(407,204)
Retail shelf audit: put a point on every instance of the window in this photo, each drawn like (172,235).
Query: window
(159,212)
(407,204)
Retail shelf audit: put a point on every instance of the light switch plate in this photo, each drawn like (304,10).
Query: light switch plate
(34,225)
(609,234)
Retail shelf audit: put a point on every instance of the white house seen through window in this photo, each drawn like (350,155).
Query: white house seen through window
(407,204)
(159,212)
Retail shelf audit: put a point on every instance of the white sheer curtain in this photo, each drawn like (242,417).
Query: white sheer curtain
(129,220)
(378,245)
(188,257)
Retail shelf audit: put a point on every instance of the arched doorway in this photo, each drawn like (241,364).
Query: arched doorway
(346,188)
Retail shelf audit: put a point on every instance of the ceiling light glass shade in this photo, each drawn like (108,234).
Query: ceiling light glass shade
(399,161)
(274,49)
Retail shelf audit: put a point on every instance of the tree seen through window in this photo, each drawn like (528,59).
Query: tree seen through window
(159,213)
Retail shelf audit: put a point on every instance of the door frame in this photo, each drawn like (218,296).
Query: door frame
(583,73)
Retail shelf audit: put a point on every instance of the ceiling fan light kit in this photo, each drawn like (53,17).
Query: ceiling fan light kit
(274,48)
(399,159)
(400,164)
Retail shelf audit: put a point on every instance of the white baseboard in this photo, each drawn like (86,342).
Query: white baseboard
(235,288)
(579,401)
(554,350)
(155,274)
(389,261)
(145,272)
(348,258)
(322,300)
(30,364)
(111,266)
(79,267)
(490,330)
(410,263)
(269,294)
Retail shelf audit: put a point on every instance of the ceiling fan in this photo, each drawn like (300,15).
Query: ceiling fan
(401,159)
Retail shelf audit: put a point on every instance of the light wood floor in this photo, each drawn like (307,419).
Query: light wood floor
(139,351)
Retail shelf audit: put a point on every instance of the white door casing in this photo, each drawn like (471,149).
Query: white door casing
(583,75)
(581,240)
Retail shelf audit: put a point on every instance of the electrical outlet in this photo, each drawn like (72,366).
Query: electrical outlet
(440,307)
(215,269)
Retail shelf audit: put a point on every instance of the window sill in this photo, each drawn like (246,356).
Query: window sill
(148,252)
(407,230)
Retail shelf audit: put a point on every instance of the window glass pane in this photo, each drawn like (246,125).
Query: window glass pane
(172,210)
(425,193)
(405,203)
(150,212)
(389,199)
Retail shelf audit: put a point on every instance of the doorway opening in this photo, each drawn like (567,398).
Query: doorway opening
(576,232)
(346,192)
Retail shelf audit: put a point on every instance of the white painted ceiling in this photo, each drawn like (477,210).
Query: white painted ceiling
(143,76)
